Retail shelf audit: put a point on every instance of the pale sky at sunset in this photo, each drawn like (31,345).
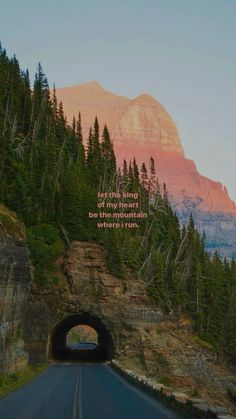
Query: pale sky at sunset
(183,52)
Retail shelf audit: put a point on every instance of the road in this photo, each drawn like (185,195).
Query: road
(81,391)
(83,346)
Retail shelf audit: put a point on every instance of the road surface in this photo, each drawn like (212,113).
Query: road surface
(83,346)
(81,391)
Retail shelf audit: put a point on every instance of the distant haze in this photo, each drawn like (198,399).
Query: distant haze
(181,52)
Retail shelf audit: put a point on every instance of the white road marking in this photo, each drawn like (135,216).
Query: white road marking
(75,395)
(80,394)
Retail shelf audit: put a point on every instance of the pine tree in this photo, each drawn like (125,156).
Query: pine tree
(80,146)
(94,159)
(144,176)
(108,158)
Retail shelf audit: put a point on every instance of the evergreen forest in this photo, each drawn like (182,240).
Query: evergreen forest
(51,175)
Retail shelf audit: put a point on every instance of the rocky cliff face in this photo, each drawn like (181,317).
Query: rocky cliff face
(14,290)
(87,288)
(142,128)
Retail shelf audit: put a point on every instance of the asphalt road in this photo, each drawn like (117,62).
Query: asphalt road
(81,391)
(83,346)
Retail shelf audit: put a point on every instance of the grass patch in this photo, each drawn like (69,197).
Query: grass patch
(195,393)
(164,379)
(163,370)
(10,382)
(203,343)
(11,224)
(232,393)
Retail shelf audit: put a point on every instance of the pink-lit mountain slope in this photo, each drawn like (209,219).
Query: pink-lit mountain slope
(142,128)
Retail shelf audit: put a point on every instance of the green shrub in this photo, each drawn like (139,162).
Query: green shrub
(13,226)
(232,393)
(45,247)
(203,342)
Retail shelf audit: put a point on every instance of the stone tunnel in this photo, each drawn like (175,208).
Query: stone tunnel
(59,350)
(118,309)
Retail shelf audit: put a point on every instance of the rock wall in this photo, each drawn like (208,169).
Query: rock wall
(86,286)
(14,291)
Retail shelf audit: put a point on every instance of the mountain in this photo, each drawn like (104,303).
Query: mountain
(92,100)
(142,128)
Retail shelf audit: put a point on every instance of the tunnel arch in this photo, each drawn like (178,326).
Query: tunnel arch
(57,345)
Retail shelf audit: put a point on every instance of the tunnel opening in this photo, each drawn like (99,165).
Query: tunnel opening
(80,337)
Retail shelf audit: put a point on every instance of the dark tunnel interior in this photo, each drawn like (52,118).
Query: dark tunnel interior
(60,351)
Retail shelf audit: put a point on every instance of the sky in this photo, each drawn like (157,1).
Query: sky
(182,52)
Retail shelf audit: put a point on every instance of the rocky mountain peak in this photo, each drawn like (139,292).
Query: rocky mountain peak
(142,128)
(146,123)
